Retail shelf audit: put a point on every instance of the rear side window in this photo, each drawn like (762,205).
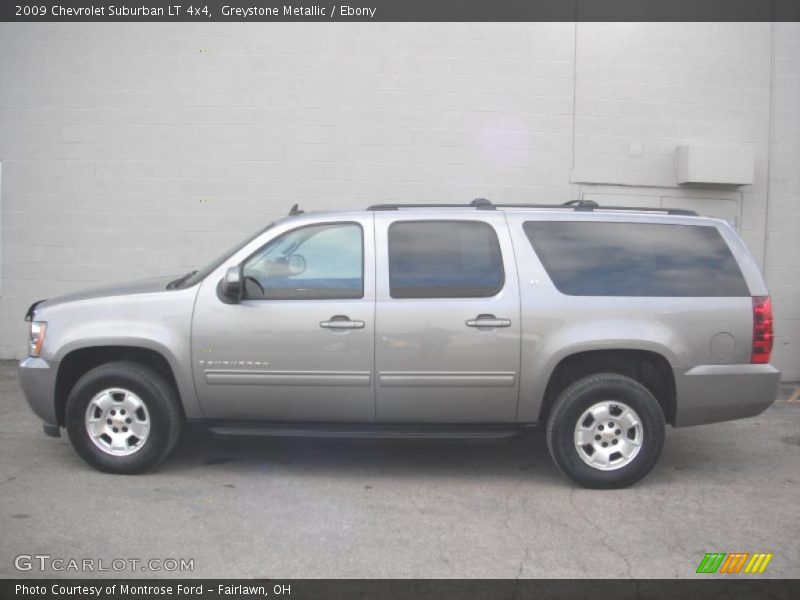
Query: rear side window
(636,259)
(444,259)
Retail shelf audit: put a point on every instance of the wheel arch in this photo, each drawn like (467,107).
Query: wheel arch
(79,361)
(648,367)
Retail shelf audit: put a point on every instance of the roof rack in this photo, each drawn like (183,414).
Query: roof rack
(576,205)
(478,203)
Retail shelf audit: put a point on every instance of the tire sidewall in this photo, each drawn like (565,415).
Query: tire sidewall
(571,405)
(117,376)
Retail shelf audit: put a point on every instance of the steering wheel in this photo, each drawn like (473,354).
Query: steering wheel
(254,280)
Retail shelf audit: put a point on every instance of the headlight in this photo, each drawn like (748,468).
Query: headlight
(37,337)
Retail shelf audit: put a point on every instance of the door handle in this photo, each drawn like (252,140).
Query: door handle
(488,321)
(341,322)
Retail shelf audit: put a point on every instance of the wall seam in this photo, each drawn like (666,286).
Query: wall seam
(574,101)
(770,142)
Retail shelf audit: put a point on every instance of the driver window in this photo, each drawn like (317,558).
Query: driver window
(311,263)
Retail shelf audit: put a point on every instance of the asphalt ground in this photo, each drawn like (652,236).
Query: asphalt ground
(375,509)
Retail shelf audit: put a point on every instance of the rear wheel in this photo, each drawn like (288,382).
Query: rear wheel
(606,431)
(123,417)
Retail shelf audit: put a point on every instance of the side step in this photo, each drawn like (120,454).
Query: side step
(365,431)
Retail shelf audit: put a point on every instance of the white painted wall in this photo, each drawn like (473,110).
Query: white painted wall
(662,85)
(783,221)
(131,150)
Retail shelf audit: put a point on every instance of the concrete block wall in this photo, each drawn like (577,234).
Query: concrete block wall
(783,222)
(661,85)
(132,150)
(135,150)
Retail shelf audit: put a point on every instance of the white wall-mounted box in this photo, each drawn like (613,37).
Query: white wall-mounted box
(722,165)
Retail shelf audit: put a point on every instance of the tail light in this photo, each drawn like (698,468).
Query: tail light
(762,330)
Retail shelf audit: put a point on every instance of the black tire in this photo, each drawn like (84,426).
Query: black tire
(162,405)
(571,406)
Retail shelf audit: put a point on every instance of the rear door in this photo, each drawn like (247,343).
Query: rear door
(447,346)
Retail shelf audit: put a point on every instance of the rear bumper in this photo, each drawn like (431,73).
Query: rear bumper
(38,381)
(712,393)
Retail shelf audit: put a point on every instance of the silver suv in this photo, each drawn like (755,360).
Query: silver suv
(473,320)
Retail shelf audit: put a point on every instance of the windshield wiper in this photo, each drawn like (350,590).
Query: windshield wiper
(180,280)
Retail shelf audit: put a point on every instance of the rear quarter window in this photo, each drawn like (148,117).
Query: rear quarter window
(636,259)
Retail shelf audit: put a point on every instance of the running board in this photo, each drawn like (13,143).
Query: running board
(357,431)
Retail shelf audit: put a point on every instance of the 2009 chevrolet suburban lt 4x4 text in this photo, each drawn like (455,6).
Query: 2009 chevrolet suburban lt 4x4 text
(472,320)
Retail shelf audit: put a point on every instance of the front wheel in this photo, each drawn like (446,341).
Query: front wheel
(605,431)
(123,417)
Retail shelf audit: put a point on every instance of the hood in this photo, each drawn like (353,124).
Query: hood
(143,286)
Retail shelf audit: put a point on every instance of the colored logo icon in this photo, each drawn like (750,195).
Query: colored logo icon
(736,562)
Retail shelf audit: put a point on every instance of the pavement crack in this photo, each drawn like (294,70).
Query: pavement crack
(523,561)
(593,525)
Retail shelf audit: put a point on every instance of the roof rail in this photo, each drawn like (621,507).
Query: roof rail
(478,203)
(576,205)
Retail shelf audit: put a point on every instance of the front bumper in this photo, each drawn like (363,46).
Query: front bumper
(38,381)
(712,393)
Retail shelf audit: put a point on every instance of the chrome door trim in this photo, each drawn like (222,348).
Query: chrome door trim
(445,378)
(316,378)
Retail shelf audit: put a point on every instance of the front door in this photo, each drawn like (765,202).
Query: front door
(299,345)
(447,347)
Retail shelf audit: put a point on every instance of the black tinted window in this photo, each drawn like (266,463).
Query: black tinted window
(636,259)
(444,259)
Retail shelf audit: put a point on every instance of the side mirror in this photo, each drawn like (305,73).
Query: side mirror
(230,286)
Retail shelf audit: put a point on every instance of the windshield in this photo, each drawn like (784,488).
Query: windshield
(197,276)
